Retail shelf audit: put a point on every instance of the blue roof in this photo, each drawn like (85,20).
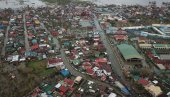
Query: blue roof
(29,53)
(1,26)
(34,41)
(67,43)
(65,72)
(50,96)
(125,90)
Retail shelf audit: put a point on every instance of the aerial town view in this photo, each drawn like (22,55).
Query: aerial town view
(84,48)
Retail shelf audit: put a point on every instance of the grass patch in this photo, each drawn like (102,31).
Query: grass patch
(39,68)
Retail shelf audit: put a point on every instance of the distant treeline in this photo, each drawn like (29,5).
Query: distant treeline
(60,2)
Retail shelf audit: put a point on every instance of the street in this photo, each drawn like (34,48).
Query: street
(27,47)
(6,40)
(116,67)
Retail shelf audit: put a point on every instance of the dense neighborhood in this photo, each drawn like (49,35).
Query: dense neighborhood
(85,50)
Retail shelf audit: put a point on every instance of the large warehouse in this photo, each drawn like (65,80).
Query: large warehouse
(129,53)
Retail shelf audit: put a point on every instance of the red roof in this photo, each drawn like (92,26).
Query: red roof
(94,75)
(167,66)
(54,33)
(123,21)
(27,16)
(142,38)
(72,57)
(102,87)
(69,81)
(101,60)
(86,65)
(63,89)
(64,96)
(163,95)
(143,82)
(46,39)
(35,92)
(121,32)
(120,37)
(78,95)
(22,50)
(28,24)
(74,51)
(71,89)
(31,35)
(35,46)
(89,71)
(55,60)
(97,64)
(101,47)
(103,78)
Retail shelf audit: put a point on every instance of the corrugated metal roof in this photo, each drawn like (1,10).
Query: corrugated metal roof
(160,45)
(165,56)
(85,24)
(145,45)
(129,52)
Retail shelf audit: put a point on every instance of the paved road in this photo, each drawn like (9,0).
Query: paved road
(74,72)
(6,40)
(27,46)
(115,64)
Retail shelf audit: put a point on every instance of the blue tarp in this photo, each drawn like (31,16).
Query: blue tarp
(50,96)
(1,26)
(30,54)
(125,90)
(65,72)
(67,43)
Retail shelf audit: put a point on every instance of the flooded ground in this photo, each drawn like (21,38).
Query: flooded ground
(20,3)
(127,2)
(37,3)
